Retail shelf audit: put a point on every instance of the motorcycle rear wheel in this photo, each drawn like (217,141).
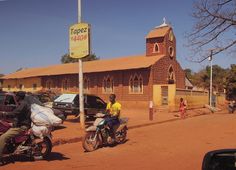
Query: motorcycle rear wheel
(43,149)
(89,143)
(121,138)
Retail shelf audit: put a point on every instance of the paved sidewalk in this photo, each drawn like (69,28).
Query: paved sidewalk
(71,131)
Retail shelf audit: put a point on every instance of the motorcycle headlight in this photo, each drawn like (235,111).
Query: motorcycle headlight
(102,122)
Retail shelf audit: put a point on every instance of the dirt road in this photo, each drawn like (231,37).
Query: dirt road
(178,145)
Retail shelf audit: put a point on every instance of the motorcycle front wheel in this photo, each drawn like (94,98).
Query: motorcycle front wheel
(121,136)
(90,141)
(43,149)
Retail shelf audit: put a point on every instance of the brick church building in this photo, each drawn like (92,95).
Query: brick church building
(136,80)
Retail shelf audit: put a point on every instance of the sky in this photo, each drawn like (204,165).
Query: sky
(34,33)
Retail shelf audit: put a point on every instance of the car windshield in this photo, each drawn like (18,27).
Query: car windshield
(2,97)
(67,98)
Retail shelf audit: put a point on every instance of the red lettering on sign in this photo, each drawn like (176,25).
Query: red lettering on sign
(79,38)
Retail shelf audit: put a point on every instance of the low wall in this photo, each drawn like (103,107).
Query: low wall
(195,99)
(221,99)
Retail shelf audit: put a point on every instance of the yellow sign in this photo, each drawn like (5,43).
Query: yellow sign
(79,35)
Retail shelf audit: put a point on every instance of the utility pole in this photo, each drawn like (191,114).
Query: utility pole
(210,59)
(81,95)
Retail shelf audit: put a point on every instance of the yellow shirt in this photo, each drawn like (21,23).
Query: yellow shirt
(114,108)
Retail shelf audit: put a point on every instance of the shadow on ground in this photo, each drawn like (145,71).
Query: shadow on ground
(21,158)
(59,127)
(73,120)
(57,156)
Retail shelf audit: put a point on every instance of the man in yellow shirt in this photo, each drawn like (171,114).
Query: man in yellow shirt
(113,109)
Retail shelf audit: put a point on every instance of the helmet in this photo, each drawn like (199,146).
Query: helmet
(20,94)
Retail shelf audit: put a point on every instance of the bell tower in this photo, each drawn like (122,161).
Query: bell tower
(161,41)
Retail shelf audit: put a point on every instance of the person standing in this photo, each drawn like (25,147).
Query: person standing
(182,108)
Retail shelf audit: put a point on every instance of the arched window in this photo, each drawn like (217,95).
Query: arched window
(171,52)
(49,84)
(86,85)
(156,48)
(21,87)
(9,87)
(108,85)
(136,84)
(65,85)
(34,86)
(171,76)
(171,36)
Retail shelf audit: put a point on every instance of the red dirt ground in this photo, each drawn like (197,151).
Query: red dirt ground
(176,145)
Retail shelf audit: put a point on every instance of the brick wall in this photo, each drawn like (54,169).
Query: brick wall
(163,42)
(160,72)
(57,82)
(121,84)
(150,45)
(157,74)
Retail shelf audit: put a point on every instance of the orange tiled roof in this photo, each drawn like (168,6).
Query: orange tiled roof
(122,63)
(158,32)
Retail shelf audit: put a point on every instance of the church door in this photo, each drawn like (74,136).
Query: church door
(164,95)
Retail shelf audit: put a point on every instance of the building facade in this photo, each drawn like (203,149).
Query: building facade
(136,80)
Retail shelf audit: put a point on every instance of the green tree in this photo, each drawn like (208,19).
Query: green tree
(218,76)
(67,59)
(188,73)
(202,78)
(231,83)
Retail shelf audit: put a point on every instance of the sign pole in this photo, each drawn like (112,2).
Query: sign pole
(210,58)
(81,95)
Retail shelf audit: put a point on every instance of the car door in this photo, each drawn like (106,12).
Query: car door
(9,103)
(98,105)
(2,101)
(89,104)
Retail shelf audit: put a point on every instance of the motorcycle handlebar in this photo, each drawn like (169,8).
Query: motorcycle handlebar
(3,114)
(6,115)
(101,115)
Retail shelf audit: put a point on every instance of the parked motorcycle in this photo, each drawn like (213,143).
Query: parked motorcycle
(232,106)
(26,144)
(98,134)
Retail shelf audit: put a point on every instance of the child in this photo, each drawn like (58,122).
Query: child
(182,108)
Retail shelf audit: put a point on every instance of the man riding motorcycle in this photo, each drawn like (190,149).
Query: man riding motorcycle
(113,109)
(107,129)
(21,121)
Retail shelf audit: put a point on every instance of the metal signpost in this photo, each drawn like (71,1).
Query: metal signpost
(80,47)
(210,59)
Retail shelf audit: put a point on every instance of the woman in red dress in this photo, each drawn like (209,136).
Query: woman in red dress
(182,108)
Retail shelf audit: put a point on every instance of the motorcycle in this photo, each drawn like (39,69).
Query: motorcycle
(99,133)
(26,144)
(231,106)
